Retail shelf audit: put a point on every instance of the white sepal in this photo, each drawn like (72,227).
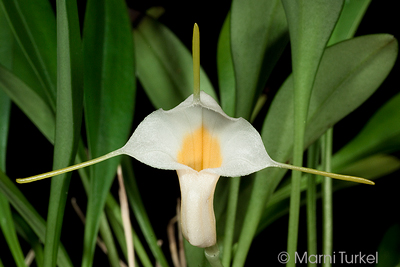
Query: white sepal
(158,138)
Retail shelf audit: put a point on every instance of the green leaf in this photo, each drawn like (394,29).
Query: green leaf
(28,235)
(258,38)
(30,215)
(23,70)
(32,105)
(137,206)
(6,221)
(34,28)
(350,17)
(227,89)
(389,248)
(368,168)
(226,73)
(6,48)
(107,237)
(109,100)
(68,119)
(310,26)
(8,229)
(372,167)
(197,257)
(348,74)
(104,228)
(380,135)
(114,216)
(29,102)
(164,65)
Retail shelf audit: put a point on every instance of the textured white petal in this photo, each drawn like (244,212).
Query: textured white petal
(197,211)
(242,149)
(159,138)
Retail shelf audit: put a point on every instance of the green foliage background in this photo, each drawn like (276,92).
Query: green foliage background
(361,214)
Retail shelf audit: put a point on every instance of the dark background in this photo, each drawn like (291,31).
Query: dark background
(362,214)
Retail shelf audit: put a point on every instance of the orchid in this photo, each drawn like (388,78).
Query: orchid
(202,143)
(83,73)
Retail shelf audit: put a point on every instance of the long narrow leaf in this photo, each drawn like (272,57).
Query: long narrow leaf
(6,221)
(114,216)
(259,34)
(26,210)
(358,74)
(140,212)
(26,233)
(68,119)
(372,167)
(29,102)
(8,229)
(347,76)
(310,26)
(108,239)
(389,247)
(226,73)
(381,134)
(34,27)
(109,100)
(350,18)
(368,168)
(357,78)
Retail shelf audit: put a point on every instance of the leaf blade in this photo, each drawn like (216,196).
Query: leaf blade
(310,26)
(277,131)
(226,73)
(382,133)
(6,221)
(26,210)
(68,120)
(34,28)
(108,66)
(350,18)
(258,37)
(38,111)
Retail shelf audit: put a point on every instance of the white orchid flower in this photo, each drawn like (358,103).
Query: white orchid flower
(202,143)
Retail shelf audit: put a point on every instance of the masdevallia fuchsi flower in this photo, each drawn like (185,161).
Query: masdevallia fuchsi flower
(202,143)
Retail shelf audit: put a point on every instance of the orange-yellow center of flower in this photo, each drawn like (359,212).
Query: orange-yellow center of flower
(200,150)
